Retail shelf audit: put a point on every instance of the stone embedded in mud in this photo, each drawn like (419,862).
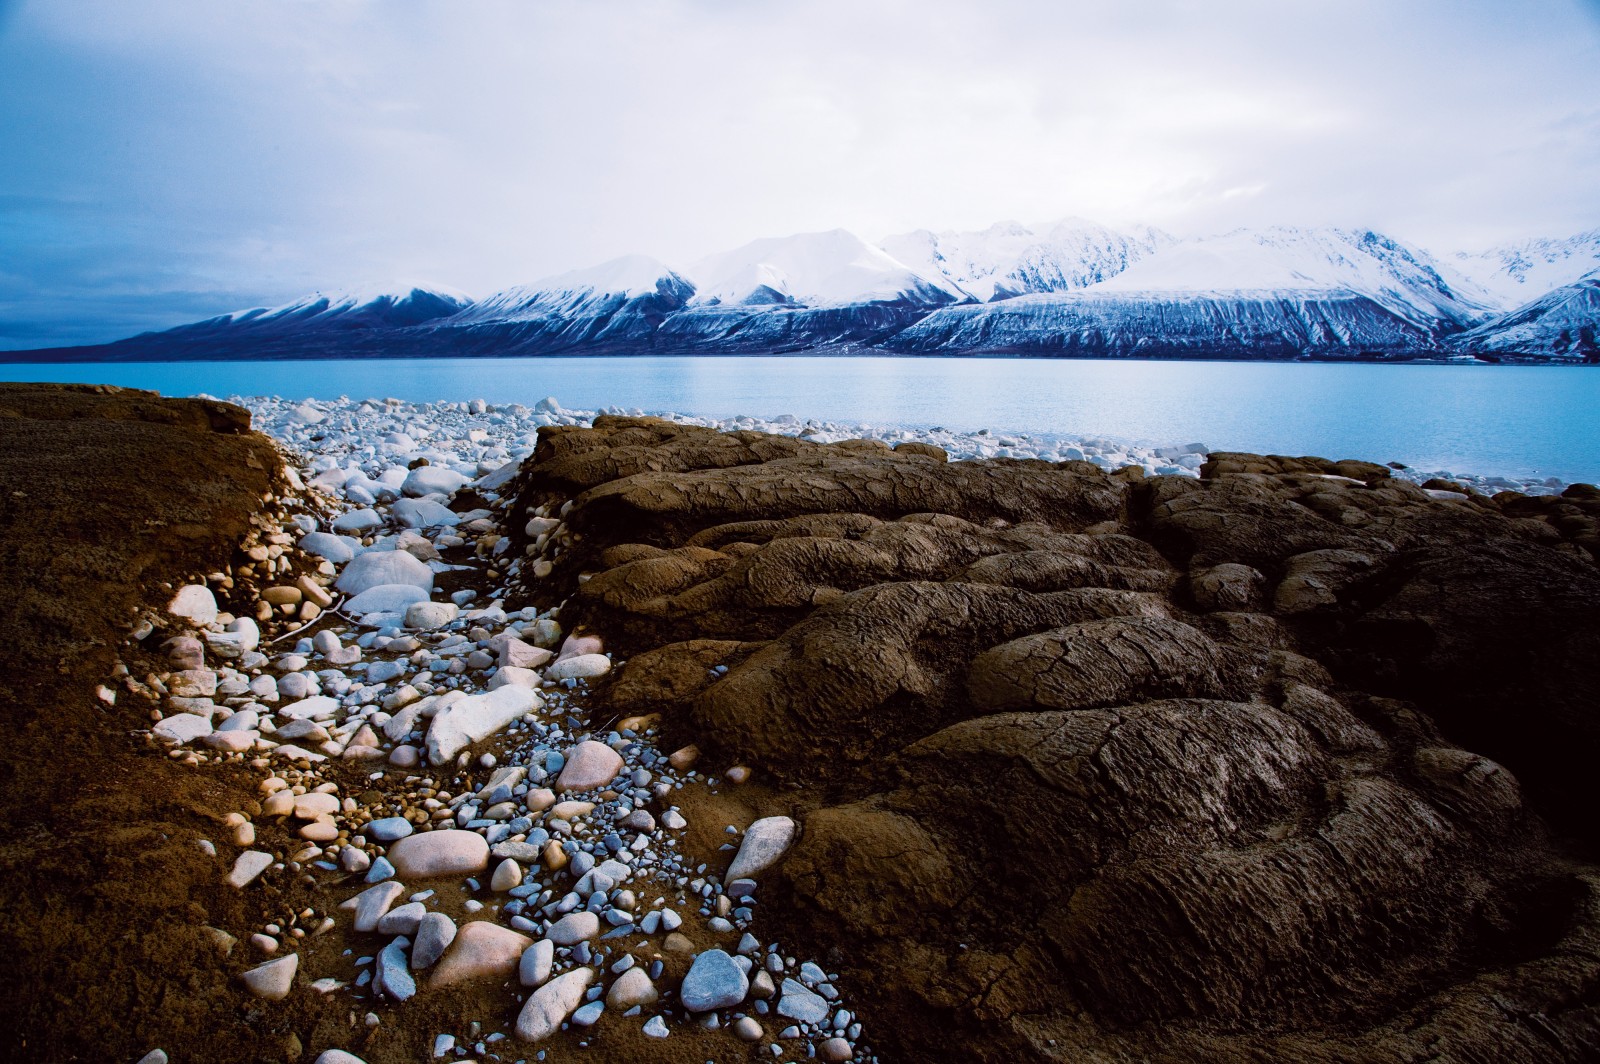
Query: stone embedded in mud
(481,950)
(372,903)
(534,967)
(194,603)
(476,717)
(589,765)
(274,979)
(550,1005)
(713,982)
(800,1003)
(181,728)
(447,852)
(435,932)
(632,988)
(247,866)
(764,844)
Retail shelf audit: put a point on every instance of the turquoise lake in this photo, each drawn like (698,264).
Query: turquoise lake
(1515,421)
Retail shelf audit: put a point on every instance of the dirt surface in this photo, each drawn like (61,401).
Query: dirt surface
(1098,767)
(1256,767)
(108,498)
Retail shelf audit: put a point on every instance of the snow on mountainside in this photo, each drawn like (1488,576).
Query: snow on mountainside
(1008,259)
(1403,280)
(1097,323)
(618,302)
(1559,324)
(835,268)
(368,307)
(1520,273)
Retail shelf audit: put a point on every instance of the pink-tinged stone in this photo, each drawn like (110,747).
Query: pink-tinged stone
(589,765)
(549,1006)
(578,645)
(522,655)
(481,950)
(450,852)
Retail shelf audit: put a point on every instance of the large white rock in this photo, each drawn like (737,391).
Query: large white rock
(317,707)
(337,1056)
(274,979)
(379,567)
(423,513)
(358,521)
(430,615)
(549,1006)
(476,717)
(326,545)
(194,603)
(247,866)
(446,852)
(181,728)
(432,479)
(385,598)
(764,843)
(582,667)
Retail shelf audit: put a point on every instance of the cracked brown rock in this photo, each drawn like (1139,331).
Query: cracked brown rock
(1103,767)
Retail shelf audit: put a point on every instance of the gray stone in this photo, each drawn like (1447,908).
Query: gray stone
(582,667)
(393,974)
(656,1027)
(536,962)
(336,549)
(714,982)
(435,932)
(426,616)
(372,903)
(403,919)
(764,844)
(181,728)
(589,1014)
(799,1003)
(338,1056)
(388,829)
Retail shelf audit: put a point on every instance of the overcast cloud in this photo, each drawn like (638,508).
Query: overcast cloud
(165,160)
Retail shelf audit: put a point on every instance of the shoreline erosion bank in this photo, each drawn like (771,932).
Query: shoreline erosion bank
(901,654)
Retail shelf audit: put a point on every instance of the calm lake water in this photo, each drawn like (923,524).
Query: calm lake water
(1516,421)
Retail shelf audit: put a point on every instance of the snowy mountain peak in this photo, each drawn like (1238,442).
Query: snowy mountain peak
(1522,272)
(1287,259)
(832,268)
(1009,259)
(627,278)
(433,300)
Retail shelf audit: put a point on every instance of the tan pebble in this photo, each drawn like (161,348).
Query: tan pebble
(233,820)
(309,611)
(539,799)
(282,595)
(737,774)
(639,723)
(569,810)
(555,858)
(264,943)
(278,803)
(678,943)
(685,758)
(244,834)
(322,829)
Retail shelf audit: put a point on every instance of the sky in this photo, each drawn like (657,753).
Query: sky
(167,160)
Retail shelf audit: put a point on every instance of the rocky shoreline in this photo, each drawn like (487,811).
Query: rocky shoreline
(691,742)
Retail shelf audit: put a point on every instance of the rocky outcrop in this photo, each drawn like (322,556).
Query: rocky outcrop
(1094,766)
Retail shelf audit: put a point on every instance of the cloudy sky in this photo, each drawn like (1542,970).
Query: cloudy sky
(166,160)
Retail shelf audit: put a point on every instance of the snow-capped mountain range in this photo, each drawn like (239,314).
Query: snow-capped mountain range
(1070,288)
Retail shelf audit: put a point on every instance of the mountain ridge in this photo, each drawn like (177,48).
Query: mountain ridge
(1072,288)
